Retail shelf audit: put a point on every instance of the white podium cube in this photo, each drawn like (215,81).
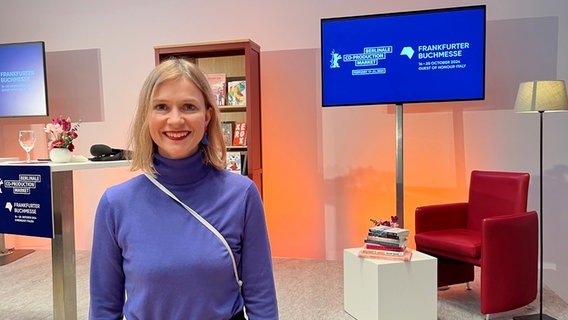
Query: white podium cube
(387,289)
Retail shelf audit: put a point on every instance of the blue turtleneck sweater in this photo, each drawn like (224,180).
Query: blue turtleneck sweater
(152,260)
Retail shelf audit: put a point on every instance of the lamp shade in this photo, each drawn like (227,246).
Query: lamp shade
(543,95)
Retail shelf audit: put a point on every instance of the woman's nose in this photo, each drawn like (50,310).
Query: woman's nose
(176,117)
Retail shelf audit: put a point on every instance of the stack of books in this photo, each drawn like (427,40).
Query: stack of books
(385,242)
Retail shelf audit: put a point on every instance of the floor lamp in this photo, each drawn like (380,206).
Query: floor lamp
(540,96)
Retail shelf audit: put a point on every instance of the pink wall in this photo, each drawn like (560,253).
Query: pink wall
(291,150)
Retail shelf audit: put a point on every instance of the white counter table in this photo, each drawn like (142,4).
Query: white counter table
(63,242)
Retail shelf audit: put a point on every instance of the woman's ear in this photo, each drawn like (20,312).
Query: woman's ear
(208,117)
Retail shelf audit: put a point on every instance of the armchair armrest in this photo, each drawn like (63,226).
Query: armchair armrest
(509,259)
(440,216)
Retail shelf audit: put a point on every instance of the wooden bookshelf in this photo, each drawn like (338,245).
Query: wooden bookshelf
(238,60)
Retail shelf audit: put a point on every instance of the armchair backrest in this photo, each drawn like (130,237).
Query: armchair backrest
(494,193)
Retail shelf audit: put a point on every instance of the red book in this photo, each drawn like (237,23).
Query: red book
(240,136)
(376,246)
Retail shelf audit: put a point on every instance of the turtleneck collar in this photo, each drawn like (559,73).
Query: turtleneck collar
(181,171)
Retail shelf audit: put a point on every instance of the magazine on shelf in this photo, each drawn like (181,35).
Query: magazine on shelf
(218,84)
(234,163)
(237,93)
(228,128)
(240,134)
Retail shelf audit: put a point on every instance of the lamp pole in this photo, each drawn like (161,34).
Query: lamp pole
(541,115)
(541,95)
(540,315)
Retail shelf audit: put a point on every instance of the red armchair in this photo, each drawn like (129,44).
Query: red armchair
(492,230)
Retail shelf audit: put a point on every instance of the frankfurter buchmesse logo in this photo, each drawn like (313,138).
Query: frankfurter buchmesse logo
(407,51)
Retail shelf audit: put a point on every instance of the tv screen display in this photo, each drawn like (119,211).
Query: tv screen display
(406,57)
(23,80)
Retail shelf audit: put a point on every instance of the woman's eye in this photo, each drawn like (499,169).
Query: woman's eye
(189,107)
(161,107)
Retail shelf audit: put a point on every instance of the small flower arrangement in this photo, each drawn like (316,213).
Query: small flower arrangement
(62,133)
(392,223)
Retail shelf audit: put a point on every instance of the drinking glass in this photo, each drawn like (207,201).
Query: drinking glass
(27,141)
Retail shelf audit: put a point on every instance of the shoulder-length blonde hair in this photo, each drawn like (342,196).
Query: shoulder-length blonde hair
(140,141)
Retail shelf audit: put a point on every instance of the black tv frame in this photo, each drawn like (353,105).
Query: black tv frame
(325,55)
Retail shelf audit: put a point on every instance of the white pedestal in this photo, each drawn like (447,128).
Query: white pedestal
(385,289)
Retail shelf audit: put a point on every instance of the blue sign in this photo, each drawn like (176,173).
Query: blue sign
(404,57)
(25,201)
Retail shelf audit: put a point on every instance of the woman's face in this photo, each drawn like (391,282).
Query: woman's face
(178,118)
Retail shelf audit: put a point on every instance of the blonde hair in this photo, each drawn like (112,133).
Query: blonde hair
(140,141)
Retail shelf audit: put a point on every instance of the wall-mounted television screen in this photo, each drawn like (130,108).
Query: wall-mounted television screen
(406,57)
(23,80)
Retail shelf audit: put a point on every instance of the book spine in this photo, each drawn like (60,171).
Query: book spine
(383,252)
(376,233)
(388,244)
(406,257)
(399,232)
(375,246)
(387,240)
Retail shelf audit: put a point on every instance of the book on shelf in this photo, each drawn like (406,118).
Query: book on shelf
(244,167)
(389,232)
(228,128)
(237,93)
(374,254)
(240,134)
(234,163)
(218,84)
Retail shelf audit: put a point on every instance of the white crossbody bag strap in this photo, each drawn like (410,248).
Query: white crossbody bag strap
(204,222)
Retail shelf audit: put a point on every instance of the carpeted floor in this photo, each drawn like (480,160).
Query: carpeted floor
(306,290)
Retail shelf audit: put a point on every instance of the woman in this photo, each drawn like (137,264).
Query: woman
(151,258)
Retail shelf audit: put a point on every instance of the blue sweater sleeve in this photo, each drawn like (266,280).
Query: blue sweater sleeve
(107,277)
(256,262)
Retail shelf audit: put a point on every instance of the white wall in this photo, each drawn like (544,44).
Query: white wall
(497,138)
